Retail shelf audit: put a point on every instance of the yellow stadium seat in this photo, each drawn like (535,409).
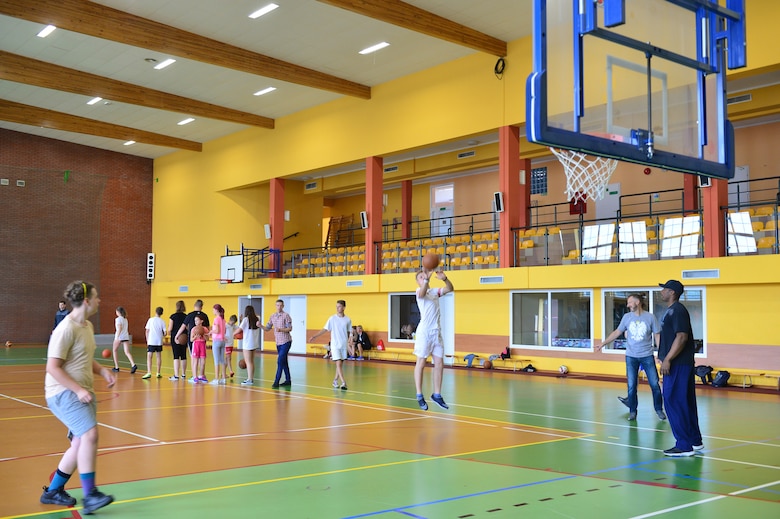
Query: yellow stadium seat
(767,242)
(651,235)
(462,248)
(770,225)
(455,262)
(527,244)
(481,247)
(765,210)
(479,260)
(450,249)
(465,260)
(652,249)
(493,245)
(573,254)
(757,226)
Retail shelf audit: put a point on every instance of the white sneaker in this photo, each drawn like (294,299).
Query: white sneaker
(336,384)
(222,381)
(698,447)
(214,382)
(247,382)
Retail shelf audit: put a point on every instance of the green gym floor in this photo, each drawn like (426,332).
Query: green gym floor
(511,445)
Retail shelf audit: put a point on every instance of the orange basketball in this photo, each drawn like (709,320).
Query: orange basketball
(488,365)
(430,261)
(106,353)
(242,364)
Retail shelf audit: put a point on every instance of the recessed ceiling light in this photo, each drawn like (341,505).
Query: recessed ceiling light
(46,31)
(129,143)
(94,100)
(188,120)
(374,48)
(264,91)
(265,10)
(164,64)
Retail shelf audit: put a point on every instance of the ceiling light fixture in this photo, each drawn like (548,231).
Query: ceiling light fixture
(46,31)
(374,48)
(94,100)
(264,91)
(164,64)
(265,10)
(129,143)
(188,120)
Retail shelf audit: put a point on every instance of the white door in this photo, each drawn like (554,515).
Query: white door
(447,309)
(738,191)
(296,307)
(607,207)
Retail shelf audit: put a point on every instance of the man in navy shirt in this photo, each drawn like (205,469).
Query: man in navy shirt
(676,352)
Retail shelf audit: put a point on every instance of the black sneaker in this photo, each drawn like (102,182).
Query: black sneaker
(115,370)
(95,500)
(439,400)
(274,386)
(286,383)
(57,497)
(134,368)
(623,400)
(677,453)
(423,404)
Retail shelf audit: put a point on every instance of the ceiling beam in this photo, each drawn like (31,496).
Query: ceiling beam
(106,23)
(44,118)
(39,73)
(415,19)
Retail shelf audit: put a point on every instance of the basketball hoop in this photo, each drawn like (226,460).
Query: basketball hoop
(585,174)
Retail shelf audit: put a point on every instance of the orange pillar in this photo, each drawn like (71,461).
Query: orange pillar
(276,221)
(374,188)
(512,185)
(690,198)
(406,209)
(714,226)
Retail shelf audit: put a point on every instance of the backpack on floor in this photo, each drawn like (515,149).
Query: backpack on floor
(721,379)
(704,373)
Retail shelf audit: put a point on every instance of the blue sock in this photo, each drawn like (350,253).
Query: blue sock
(59,480)
(419,396)
(87,482)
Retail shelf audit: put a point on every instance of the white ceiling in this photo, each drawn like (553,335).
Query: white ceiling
(304,32)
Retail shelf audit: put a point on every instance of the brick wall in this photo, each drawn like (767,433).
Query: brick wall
(84,213)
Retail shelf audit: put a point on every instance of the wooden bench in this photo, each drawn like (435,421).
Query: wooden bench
(746,378)
(321,350)
(769,375)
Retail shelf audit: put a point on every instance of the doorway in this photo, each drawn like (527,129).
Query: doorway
(257,304)
(296,307)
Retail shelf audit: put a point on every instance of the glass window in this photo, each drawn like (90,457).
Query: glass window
(539,181)
(615,307)
(693,299)
(632,238)
(740,234)
(552,319)
(444,194)
(404,317)
(597,242)
(681,237)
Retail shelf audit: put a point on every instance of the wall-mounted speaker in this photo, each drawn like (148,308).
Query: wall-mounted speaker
(363,220)
(267,229)
(150,266)
(498,202)
(704,181)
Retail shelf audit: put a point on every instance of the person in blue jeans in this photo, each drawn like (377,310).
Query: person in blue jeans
(281,323)
(642,333)
(676,352)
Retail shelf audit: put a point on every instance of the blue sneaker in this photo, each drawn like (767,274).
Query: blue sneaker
(439,400)
(422,403)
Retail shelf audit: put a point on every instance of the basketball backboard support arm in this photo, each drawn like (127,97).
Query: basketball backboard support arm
(689,72)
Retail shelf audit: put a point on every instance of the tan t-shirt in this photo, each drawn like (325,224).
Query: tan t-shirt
(75,344)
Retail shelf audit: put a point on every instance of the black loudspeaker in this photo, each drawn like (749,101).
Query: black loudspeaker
(363,220)
(149,266)
(704,181)
(498,202)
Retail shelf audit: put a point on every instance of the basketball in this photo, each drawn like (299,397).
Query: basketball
(8,344)
(238,334)
(106,353)
(242,364)
(487,364)
(563,369)
(430,261)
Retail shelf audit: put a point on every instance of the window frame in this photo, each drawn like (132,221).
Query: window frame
(549,319)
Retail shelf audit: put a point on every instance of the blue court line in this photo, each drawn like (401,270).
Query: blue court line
(466,496)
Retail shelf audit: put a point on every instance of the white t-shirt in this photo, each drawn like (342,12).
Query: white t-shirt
(429,311)
(156,327)
(120,325)
(339,328)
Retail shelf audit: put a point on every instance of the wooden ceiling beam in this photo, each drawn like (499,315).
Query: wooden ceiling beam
(111,24)
(46,75)
(34,116)
(415,19)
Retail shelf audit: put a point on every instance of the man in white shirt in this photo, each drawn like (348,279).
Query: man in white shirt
(339,326)
(155,335)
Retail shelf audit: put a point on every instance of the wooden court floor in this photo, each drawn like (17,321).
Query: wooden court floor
(511,445)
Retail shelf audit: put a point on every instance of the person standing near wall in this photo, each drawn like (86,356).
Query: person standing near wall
(642,334)
(676,353)
(428,340)
(179,350)
(189,324)
(250,342)
(218,345)
(69,383)
(62,313)
(122,336)
(281,323)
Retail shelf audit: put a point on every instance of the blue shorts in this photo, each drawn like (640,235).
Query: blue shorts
(77,416)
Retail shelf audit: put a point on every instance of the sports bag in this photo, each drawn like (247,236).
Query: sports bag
(721,379)
(704,373)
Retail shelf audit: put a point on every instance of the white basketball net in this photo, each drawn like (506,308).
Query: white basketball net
(585,174)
